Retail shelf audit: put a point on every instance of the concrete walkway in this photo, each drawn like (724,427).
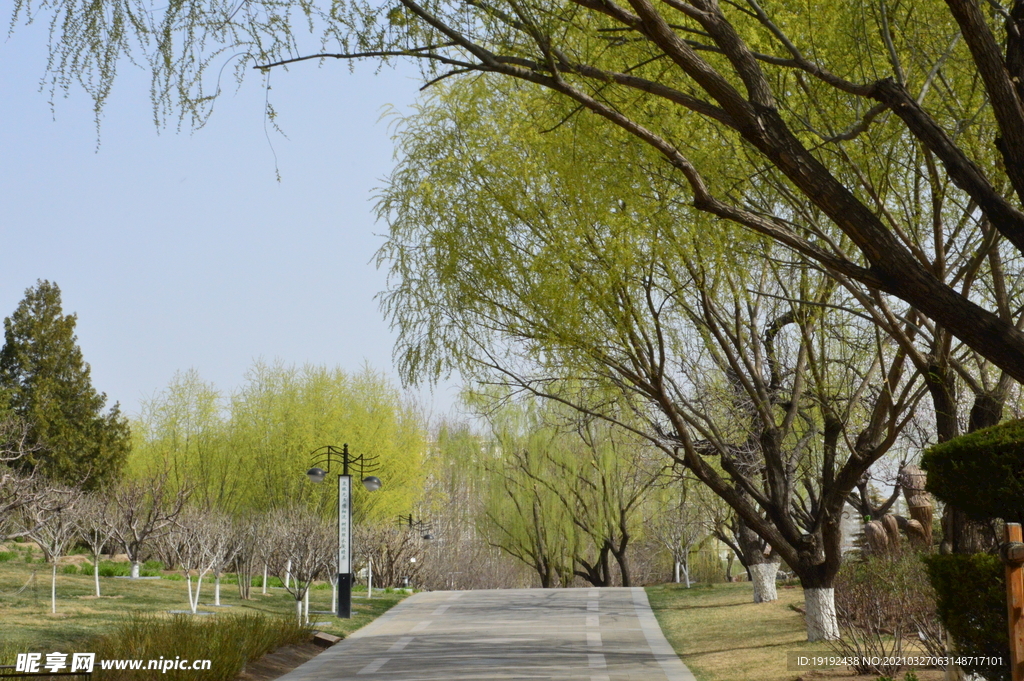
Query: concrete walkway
(605,634)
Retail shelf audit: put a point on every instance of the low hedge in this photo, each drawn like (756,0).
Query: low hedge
(971,602)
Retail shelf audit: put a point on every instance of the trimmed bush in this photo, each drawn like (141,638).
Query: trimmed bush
(981,473)
(228,641)
(7,555)
(971,601)
(69,570)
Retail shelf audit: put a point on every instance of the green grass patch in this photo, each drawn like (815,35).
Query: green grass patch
(28,626)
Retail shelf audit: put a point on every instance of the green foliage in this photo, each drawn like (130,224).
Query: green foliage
(46,383)
(981,473)
(971,601)
(8,555)
(250,450)
(706,566)
(230,642)
(69,570)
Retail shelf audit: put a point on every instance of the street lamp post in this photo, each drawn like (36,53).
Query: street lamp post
(324,455)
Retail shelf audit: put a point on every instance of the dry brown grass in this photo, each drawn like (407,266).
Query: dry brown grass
(721,635)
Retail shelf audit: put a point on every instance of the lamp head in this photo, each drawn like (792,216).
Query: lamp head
(316,474)
(372,483)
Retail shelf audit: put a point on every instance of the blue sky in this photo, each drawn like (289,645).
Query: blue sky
(182,250)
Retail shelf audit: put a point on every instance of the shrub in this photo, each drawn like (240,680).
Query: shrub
(86,568)
(69,570)
(228,641)
(109,568)
(271,581)
(7,555)
(152,565)
(971,601)
(981,473)
(880,601)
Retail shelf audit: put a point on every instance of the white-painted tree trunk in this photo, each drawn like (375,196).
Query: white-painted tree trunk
(96,575)
(191,603)
(764,581)
(288,573)
(53,589)
(334,591)
(298,609)
(135,569)
(675,573)
(264,579)
(686,572)
(369,578)
(306,606)
(199,585)
(822,624)
(216,590)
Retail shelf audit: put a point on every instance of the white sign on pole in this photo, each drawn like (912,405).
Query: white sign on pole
(344,524)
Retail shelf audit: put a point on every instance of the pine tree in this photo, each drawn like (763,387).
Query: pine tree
(44,380)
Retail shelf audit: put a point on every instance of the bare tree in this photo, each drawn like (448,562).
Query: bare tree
(679,524)
(192,539)
(94,518)
(298,538)
(18,489)
(225,544)
(53,530)
(253,547)
(395,551)
(145,509)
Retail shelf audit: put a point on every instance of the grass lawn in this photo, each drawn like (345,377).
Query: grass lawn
(722,635)
(28,625)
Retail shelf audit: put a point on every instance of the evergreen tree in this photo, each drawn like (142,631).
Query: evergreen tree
(44,380)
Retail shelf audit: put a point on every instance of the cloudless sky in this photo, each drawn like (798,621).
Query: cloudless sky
(182,250)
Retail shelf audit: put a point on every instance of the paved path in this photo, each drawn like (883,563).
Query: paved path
(605,634)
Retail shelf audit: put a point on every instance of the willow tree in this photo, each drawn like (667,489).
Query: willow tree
(763,377)
(799,93)
(567,491)
(249,450)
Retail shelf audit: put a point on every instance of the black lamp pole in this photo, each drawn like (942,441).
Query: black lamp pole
(343,608)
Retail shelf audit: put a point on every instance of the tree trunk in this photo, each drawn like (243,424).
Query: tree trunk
(760,568)
(96,574)
(135,569)
(675,572)
(298,610)
(764,581)
(216,589)
(191,602)
(264,579)
(822,624)
(53,589)
(306,606)
(623,560)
